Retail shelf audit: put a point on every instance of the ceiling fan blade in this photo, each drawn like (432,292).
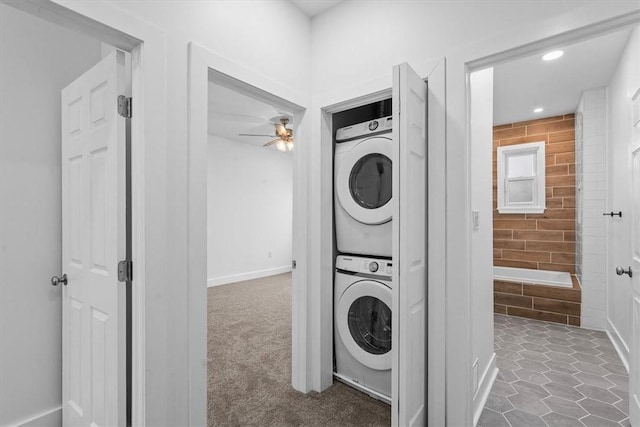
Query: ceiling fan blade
(256,134)
(271,142)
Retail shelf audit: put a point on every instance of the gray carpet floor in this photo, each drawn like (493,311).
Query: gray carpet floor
(249,366)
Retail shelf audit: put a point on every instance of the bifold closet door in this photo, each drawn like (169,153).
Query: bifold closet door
(409,248)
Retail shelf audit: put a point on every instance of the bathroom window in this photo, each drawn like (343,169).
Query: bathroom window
(521,173)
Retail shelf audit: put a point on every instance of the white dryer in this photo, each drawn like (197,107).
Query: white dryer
(362,188)
(362,324)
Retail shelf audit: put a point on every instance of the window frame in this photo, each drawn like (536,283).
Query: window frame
(538,205)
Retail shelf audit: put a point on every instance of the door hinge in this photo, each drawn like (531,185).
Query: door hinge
(125,271)
(124,106)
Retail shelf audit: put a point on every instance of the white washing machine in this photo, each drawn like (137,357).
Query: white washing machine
(362,324)
(362,188)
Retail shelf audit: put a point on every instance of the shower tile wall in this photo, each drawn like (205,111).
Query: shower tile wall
(540,241)
(591,176)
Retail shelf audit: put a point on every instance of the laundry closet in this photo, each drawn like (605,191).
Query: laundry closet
(388,194)
(363,213)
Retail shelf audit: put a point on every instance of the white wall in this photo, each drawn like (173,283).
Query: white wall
(355,45)
(484,369)
(249,211)
(245,35)
(591,176)
(38,59)
(624,83)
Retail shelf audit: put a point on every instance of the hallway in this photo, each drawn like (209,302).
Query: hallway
(555,375)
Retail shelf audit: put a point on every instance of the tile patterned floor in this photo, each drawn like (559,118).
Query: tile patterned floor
(555,375)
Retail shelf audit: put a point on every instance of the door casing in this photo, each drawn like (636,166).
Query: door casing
(206,66)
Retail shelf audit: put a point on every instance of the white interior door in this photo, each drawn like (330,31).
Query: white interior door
(93,241)
(634,358)
(409,248)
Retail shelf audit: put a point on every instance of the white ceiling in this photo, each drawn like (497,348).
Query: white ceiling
(232,113)
(519,87)
(312,8)
(524,84)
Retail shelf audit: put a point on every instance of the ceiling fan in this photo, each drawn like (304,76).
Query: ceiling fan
(284,136)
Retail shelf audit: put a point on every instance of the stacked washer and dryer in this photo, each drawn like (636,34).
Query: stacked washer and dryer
(362,286)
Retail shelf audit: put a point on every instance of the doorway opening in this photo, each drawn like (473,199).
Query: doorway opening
(249,253)
(32,192)
(530,108)
(91,26)
(553,251)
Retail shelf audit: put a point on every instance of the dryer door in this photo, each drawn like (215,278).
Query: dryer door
(364,323)
(363,182)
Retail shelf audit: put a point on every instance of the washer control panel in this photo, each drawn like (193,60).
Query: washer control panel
(360,130)
(371,266)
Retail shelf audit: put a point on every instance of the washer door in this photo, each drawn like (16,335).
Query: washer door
(364,323)
(364,181)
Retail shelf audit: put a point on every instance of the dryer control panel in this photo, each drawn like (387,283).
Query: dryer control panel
(371,266)
(364,129)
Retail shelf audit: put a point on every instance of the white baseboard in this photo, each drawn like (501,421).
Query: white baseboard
(233,278)
(50,418)
(484,388)
(618,343)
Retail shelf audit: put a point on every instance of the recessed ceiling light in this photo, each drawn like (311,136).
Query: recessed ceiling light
(555,54)
(538,110)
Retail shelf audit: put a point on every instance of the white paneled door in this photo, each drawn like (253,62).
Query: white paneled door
(93,242)
(634,357)
(409,248)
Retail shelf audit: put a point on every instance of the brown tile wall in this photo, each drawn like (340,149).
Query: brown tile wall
(549,303)
(544,241)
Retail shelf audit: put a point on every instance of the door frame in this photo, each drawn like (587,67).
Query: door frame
(146,45)
(539,46)
(205,66)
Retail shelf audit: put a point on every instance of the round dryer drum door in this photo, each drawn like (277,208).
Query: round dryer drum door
(364,323)
(364,181)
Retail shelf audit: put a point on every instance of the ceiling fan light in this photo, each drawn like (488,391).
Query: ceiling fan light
(281,145)
(290,145)
(550,56)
